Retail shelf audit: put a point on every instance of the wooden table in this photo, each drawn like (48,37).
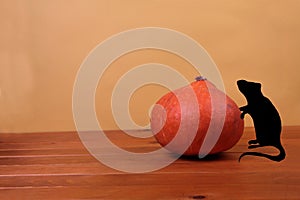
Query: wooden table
(57,166)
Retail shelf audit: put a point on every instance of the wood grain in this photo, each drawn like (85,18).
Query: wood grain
(57,166)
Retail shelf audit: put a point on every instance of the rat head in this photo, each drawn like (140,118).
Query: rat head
(249,88)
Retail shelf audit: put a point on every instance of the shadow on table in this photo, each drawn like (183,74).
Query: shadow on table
(212,157)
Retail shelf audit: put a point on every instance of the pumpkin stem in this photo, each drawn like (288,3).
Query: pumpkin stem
(200,78)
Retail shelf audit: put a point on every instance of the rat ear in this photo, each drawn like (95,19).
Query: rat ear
(258,85)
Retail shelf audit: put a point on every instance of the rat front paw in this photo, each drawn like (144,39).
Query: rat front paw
(252,142)
(243,108)
(253,146)
(242,115)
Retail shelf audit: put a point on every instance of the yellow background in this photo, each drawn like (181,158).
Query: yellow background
(43,43)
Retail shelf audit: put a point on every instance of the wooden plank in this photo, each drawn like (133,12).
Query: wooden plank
(57,166)
(169,192)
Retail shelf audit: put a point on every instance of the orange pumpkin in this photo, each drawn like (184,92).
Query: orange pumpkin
(168,114)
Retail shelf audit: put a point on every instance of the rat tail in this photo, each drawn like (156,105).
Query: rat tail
(277,158)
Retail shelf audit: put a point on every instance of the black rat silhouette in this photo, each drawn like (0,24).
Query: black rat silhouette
(266,119)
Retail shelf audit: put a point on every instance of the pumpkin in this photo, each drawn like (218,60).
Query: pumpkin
(169,113)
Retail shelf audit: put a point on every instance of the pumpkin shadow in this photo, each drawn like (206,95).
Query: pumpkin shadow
(211,157)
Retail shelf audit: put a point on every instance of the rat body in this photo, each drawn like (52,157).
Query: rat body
(266,119)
